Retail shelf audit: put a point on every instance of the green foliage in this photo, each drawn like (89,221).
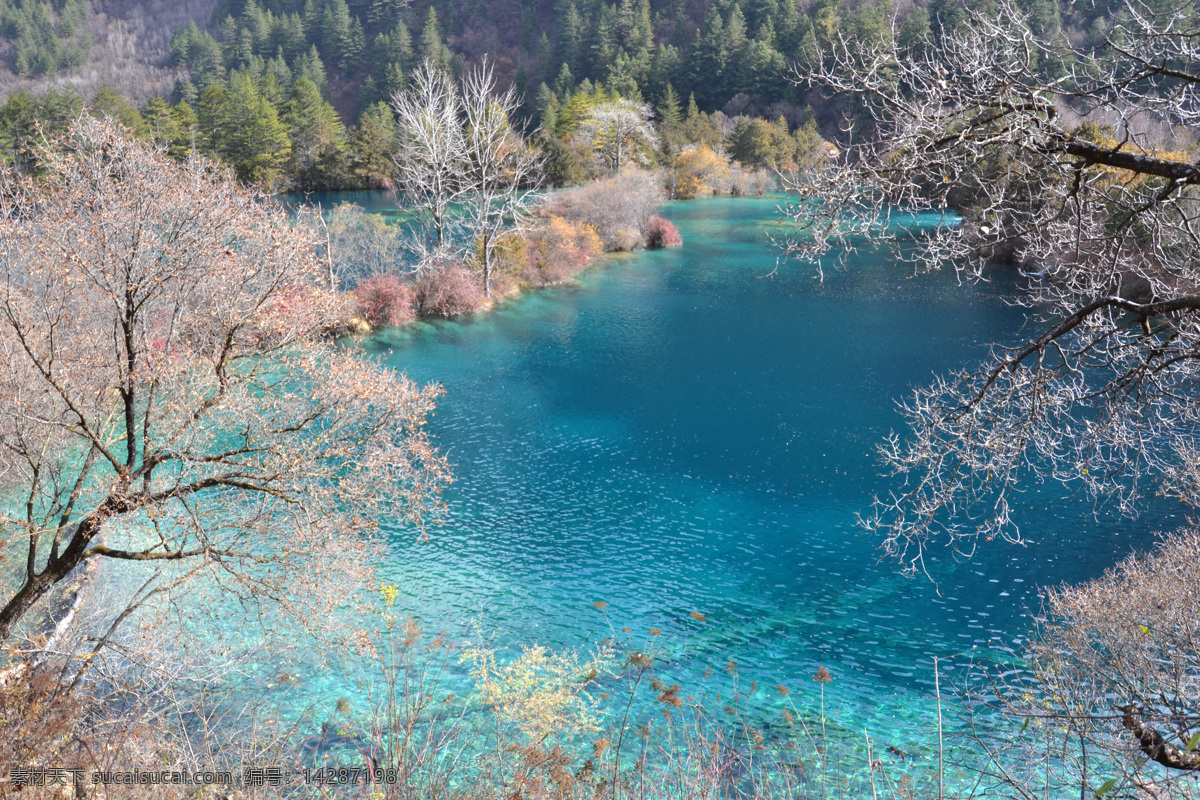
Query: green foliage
(49,34)
(253,139)
(108,102)
(371,146)
(24,118)
(318,138)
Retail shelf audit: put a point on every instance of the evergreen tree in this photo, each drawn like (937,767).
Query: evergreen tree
(184,92)
(393,81)
(529,29)
(310,66)
(544,54)
(211,119)
(431,48)
(289,35)
(317,135)
(570,39)
(669,109)
(253,138)
(277,66)
(564,84)
(108,102)
(185,124)
(19,118)
(546,104)
(372,144)
(160,125)
(270,88)
(604,41)
(335,33)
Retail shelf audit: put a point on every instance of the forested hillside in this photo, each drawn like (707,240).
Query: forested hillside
(293,93)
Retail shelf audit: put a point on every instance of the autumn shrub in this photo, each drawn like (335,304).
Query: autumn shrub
(618,207)
(558,250)
(662,233)
(745,182)
(508,256)
(447,291)
(699,172)
(385,300)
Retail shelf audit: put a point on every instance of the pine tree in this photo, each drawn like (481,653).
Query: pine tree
(185,92)
(310,66)
(431,48)
(546,105)
(253,139)
(544,55)
(335,33)
(270,88)
(290,36)
(184,141)
(159,122)
(108,102)
(529,29)
(211,119)
(735,32)
(372,144)
(278,67)
(570,39)
(393,80)
(317,135)
(604,41)
(669,110)
(564,84)
(356,49)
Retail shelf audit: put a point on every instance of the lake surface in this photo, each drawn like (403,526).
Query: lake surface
(687,430)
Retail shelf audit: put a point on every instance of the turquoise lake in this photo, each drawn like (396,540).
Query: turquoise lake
(692,430)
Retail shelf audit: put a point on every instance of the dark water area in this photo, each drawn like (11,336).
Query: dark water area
(694,430)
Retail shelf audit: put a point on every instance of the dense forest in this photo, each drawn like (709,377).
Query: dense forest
(293,93)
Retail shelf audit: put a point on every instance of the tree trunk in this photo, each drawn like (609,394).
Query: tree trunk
(57,567)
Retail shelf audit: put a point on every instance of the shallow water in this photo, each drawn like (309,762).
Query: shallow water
(687,430)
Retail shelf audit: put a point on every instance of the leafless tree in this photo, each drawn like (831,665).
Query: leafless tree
(168,394)
(1066,179)
(432,154)
(458,146)
(502,170)
(620,132)
(1105,227)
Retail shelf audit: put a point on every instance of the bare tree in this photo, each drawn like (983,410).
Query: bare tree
(1105,227)
(1072,180)
(620,132)
(431,158)
(458,146)
(167,392)
(1122,655)
(502,170)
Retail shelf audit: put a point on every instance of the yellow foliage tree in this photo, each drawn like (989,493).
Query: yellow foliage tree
(699,171)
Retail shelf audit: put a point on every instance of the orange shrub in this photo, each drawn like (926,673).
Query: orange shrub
(557,250)
(617,207)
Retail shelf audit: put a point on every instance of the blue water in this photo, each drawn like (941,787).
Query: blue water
(686,430)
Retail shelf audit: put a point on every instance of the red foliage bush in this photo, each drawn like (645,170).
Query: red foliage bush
(448,291)
(661,233)
(385,300)
(558,250)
